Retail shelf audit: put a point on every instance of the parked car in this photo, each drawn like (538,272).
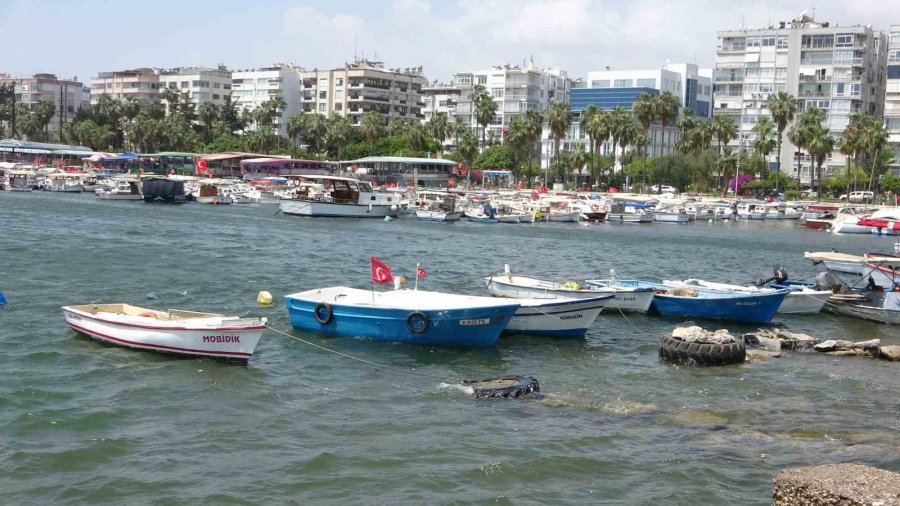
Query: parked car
(665,189)
(858,196)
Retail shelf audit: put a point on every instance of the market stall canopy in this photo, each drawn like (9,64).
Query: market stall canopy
(124,157)
(42,148)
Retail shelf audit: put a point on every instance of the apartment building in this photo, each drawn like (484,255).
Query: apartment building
(439,97)
(892,96)
(67,95)
(358,88)
(139,84)
(200,84)
(515,89)
(251,88)
(838,69)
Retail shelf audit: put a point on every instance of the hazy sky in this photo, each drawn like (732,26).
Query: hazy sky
(81,38)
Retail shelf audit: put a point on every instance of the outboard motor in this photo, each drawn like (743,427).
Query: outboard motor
(825,281)
(780,276)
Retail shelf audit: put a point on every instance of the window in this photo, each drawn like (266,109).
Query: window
(339,82)
(622,83)
(217,85)
(323,83)
(894,56)
(226,86)
(338,107)
(893,72)
(843,40)
(604,83)
(481,79)
(215,96)
(322,107)
(185,84)
(646,83)
(844,56)
(782,42)
(895,39)
(768,41)
(339,94)
(323,94)
(752,42)
(497,92)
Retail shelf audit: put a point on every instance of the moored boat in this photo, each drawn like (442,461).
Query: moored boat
(799,299)
(557,317)
(408,316)
(173,331)
(344,198)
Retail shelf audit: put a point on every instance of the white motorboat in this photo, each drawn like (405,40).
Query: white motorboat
(800,300)
(752,211)
(124,189)
(343,198)
(210,193)
(178,332)
(780,211)
(856,270)
(20,181)
(671,217)
(63,182)
(522,287)
(557,317)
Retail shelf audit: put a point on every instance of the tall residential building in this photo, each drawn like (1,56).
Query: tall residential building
(251,88)
(440,98)
(67,95)
(140,84)
(201,84)
(608,89)
(892,96)
(515,89)
(358,88)
(838,69)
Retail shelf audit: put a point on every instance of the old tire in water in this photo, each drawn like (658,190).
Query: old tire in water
(682,352)
(417,322)
(323,313)
(505,387)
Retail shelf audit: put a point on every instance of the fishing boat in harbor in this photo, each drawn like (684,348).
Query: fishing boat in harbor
(708,304)
(19,181)
(160,190)
(209,193)
(407,316)
(63,182)
(557,317)
(173,331)
(799,299)
(341,197)
(671,216)
(873,305)
(626,298)
(122,189)
(872,269)
(443,210)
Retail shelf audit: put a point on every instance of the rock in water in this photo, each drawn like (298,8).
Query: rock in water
(829,345)
(867,345)
(844,484)
(698,335)
(891,353)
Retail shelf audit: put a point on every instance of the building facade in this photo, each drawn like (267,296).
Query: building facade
(515,89)
(839,70)
(359,88)
(892,96)
(67,96)
(200,84)
(252,88)
(139,84)
(440,98)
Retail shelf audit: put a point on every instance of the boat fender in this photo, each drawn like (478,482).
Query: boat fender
(417,322)
(323,313)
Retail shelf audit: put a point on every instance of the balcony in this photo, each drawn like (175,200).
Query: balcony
(815,79)
(815,94)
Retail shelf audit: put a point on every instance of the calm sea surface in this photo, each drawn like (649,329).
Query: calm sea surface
(82,422)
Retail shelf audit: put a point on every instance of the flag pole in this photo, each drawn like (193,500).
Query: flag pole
(416,286)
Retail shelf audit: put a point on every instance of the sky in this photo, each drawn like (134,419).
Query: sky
(82,38)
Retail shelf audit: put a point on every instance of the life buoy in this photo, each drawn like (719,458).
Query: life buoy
(417,322)
(323,313)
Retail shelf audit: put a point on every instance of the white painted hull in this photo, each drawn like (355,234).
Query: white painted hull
(440,216)
(119,196)
(571,217)
(567,317)
(20,189)
(671,217)
(859,273)
(803,303)
(214,200)
(223,342)
(850,228)
(75,188)
(629,218)
(625,298)
(332,210)
(871,313)
(508,218)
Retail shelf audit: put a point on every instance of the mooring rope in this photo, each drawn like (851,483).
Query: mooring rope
(631,324)
(369,362)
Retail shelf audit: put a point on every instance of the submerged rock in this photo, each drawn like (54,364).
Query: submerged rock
(844,484)
(867,345)
(699,418)
(759,355)
(891,353)
(780,339)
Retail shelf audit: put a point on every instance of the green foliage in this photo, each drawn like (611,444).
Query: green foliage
(891,183)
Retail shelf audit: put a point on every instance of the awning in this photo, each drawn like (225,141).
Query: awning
(124,157)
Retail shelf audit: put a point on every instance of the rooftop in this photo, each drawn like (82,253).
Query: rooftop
(400,159)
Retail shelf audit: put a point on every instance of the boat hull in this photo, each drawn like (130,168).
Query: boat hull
(750,309)
(333,210)
(671,218)
(870,313)
(567,318)
(629,218)
(439,216)
(638,301)
(480,326)
(803,303)
(227,343)
(570,217)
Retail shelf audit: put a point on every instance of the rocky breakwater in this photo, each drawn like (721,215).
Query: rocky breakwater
(837,484)
(775,340)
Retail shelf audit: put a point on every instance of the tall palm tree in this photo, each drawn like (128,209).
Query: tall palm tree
(339,133)
(783,107)
(439,127)
(485,108)
(685,123)
(295,126)
(371,125)
(799,135)
(725,130)
(208,114)
(534,127)
(467,150)
(621,127)
(765,138)
(516,139)
(576,159)
(591,118)
(644,110)
(874,140)
(559,117)
(820,144)
(417,136)
(666,108)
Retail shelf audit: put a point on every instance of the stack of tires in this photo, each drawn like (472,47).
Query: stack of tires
(695,346)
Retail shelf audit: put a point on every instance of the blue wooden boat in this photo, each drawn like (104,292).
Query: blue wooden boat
(407,316)
(709,304)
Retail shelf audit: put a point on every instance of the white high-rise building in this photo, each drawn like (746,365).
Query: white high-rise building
(358,88)
(440,98)
(252,88)
(838,69)
(515,89)
(892,96)
(201,84)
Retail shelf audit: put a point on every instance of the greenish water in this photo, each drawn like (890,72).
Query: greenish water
(82,422)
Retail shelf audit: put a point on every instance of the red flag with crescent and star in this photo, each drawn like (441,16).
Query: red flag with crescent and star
(381,273)
(420,272)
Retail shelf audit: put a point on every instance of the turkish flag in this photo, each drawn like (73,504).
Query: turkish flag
(420,272)
(202,168)
(381,273)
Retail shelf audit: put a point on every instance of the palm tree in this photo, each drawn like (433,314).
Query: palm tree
(208,113)
(588,118)
(485,108)
(439,127)
(576,160)
(467,149)
(820,144)
(764,142)
(685,123)
(339,132)
(417,136)
(644,110)
(667,108)
(874,139)
(559,117)
(516,139)
(783,106)
(316,131)
(621,126)
(295,126)
(371,126)
(799,135)
(534,127)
